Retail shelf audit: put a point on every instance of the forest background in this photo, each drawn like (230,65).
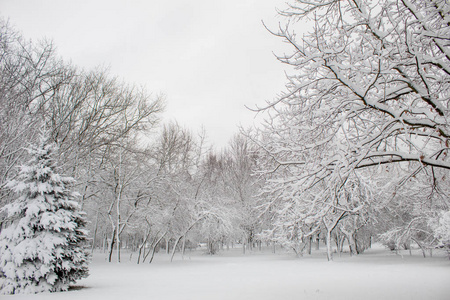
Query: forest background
(354,150)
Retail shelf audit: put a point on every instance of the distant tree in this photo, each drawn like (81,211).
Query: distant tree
(242,186)
(441,228)
(41,248)
(216,204)
(411,209)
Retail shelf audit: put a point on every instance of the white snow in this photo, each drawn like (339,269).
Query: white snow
(377,274)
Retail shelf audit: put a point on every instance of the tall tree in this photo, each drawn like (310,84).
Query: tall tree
(370,89)
(42,247)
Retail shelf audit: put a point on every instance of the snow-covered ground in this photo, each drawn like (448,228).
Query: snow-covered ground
(377,274)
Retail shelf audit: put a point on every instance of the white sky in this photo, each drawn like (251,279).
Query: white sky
(209,57)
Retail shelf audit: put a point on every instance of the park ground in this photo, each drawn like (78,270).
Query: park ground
(376,274)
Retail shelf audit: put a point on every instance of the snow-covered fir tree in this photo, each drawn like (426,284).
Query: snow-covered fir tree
(41,248)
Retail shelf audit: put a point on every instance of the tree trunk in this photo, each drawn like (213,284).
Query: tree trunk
(105,242)
(317,241)
(154,248)
(352,244)
(330,227)
(167,246)
(118,229)
(111,246)
(421,247)
(183,247)
(336,241)
(139,254)
(153,253)
(329,248)
(211,249)
(350,234)
(341,244)
(175,247)
(118,245)
(95,234)
(309,245)
(142,246)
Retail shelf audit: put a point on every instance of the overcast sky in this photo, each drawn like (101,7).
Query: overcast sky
(210,58)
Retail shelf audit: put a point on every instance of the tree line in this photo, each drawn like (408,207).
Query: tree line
(354,150)
(142,184)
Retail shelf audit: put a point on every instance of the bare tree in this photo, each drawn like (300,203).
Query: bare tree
(371,81)
(29,75)
(370,89)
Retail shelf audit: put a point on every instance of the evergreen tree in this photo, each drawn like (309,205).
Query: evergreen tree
(42,248)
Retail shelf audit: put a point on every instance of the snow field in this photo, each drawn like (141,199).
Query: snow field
(377,274)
